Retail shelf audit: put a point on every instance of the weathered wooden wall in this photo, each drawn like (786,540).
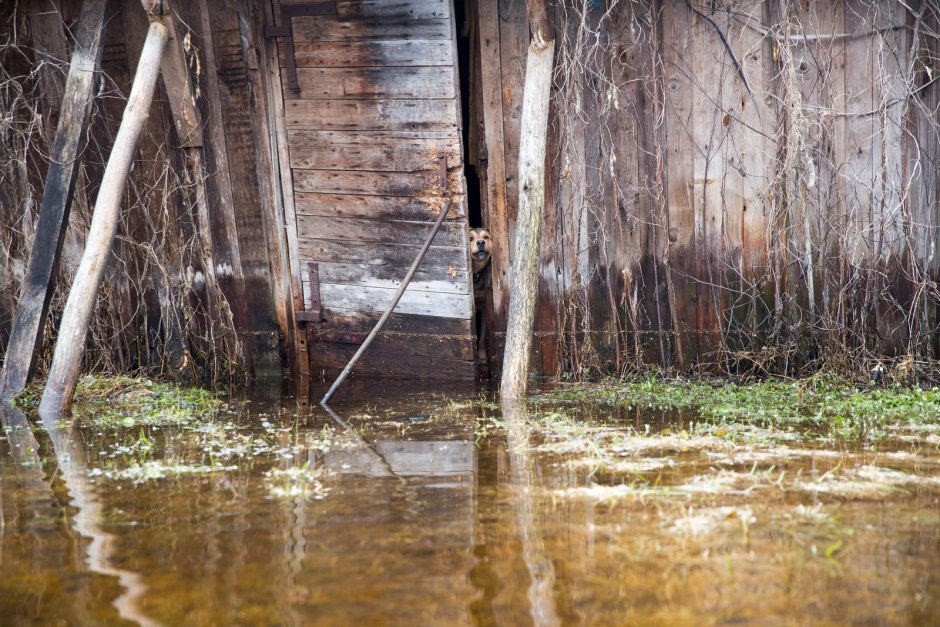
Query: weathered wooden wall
(734,184)
(738,183)
(156,303)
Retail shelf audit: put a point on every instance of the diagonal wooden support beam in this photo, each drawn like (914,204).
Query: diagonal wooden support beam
(67,359)
(176,78)
(39,284)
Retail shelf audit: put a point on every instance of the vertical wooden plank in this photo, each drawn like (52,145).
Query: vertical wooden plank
(893,63)
(592,244)
(496,218)
(156,217)
(228,268)
(627,218)
(819,58)
(925,180)
(47,35)
(708,65)
(753,151)
(282,161)
(38,284)
(650,289)
(679,148)
(732,97)
(862,142)
(271,194)
(235,107)
(924,199)
(513,43)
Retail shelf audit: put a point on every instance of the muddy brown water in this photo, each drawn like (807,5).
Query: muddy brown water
(433,509)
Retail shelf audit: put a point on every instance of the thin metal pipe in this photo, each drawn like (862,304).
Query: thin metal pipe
(391,306)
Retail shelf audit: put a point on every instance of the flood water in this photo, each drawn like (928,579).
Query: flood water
(433,508)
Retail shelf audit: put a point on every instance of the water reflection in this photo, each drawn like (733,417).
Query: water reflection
(541,570)
(88,517)
(439,510)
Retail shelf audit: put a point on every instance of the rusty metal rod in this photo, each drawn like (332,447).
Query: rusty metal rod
(391,306)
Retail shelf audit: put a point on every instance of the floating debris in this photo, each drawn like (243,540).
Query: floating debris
(153,470)
(708,520)
(296,481)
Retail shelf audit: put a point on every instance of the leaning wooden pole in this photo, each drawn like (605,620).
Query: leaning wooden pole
(67,359)
(532,148)
(391,305)
(38,284)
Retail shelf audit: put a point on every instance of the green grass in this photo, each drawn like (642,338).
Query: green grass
(122,401)
(825,401)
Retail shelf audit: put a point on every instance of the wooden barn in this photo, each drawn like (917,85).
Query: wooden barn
(740,184)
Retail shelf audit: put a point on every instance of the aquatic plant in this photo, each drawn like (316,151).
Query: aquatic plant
(825,401)
(123,401)
(131,402)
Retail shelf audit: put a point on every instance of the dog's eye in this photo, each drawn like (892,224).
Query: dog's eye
(486,237)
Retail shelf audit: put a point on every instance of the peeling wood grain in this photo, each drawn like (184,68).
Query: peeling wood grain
(423,183)
(388,207)
(378,53)
(370,230)
(399,256)
(385,115)
(431,279)
(413,301)
(377,83)
(391,151)
(338,29)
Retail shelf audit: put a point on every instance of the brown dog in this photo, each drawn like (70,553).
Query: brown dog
(481,246)
(481,249)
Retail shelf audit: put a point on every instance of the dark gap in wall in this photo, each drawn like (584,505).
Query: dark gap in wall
(464,33)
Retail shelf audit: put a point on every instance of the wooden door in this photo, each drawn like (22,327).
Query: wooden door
(377,108)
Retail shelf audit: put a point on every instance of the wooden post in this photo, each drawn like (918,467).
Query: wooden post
(532,148)
(262,71)
(496,217)
(225,246)
(287,218)
(67,359)
(38,284)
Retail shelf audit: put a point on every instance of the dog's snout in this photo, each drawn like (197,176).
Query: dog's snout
(481,244)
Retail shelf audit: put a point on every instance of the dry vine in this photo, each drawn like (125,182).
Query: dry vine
(673,120)
(159,309)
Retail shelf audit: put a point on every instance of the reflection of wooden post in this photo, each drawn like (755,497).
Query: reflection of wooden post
(541,591)
(89,517)
(38,285)
(532,148)
(66,362)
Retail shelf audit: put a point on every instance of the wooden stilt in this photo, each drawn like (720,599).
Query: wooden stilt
(38,285)
(532,148)
(66,361)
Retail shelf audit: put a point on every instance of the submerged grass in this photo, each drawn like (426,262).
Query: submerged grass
(151,431)
(823,400)
(122,401)
(653,425)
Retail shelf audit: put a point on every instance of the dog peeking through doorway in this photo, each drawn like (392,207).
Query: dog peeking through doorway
(481,250)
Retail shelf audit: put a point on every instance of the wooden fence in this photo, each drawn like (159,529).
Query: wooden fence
(735,184)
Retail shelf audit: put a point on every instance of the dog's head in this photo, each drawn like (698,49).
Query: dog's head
(481,246)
